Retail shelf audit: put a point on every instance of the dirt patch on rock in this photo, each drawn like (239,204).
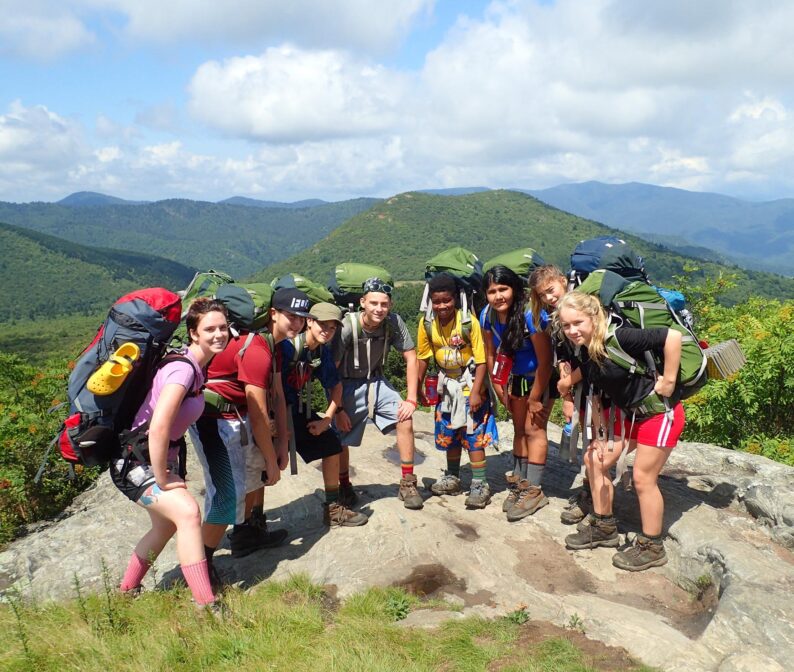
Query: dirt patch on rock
(597,656)
(547,566)
(433,580)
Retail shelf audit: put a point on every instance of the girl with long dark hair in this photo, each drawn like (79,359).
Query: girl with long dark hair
(509,331)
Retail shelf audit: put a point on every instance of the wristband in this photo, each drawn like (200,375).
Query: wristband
(411,401)
(339,410)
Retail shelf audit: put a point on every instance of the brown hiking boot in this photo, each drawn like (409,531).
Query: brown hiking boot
(479,495)
(530,499)
(578,507)
(347,496)
(644,554)
(594,532)
(512,491)
(337,515)
(409,494)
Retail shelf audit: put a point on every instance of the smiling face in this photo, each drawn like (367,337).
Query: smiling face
(551,292)
(210,335)
(500,298)
(375,306)
(322,330)
(285,325)
(443,306)
(577,326)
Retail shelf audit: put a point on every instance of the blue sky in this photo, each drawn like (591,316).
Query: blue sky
(148,99)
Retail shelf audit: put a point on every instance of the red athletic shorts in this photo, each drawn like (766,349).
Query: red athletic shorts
(654,431)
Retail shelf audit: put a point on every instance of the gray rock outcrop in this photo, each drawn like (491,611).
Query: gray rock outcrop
(722,603)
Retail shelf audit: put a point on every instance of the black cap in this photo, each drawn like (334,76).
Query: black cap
(291,300)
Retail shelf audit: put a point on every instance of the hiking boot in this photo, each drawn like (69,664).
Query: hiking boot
(512,491)
(446,485)
(644,554)
(578,507)
(347,496)
(212,610)
(479,495)
(409,494)
(245,539)
(337,515)
(530,499)
(594,532)
(258,519)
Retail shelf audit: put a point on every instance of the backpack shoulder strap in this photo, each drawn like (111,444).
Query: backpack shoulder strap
(194,390)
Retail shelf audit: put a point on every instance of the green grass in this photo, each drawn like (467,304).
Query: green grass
(292,625)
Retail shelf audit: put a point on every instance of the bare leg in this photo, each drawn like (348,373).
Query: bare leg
(518,411)
(331,471)
(647,465)
(405,441)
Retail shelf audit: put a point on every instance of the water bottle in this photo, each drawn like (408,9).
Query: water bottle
(565,440)
(501,369)
(431,389)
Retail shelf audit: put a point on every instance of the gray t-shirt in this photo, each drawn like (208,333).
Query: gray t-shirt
(398,338)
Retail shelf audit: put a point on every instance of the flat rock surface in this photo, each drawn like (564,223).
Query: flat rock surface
(722,602)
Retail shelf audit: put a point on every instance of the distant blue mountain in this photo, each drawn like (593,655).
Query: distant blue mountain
(81,199)
(256,203)
(454,191)
(754,235)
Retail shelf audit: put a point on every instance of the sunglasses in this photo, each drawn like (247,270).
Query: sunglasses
(375,285)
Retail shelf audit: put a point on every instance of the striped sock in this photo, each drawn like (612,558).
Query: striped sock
(535,472)
(344,478)
(453,462)
(407,467)
(477,467)
(198,580)
(136,570)
(331,494)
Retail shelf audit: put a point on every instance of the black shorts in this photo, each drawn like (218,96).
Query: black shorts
(311,447)
(521,386)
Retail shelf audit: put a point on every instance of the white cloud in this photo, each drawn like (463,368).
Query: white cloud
(40,30)
(292,95)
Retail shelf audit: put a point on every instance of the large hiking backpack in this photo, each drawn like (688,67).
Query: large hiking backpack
(204,283)
(314,290)
(90,434)
(637,303)
(347,282)
(605,252)
(521,261)
(466,269)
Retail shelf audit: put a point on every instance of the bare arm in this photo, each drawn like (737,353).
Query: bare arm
(163,417)
(665,385)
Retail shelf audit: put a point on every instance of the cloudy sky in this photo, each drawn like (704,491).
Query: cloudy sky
(206,99)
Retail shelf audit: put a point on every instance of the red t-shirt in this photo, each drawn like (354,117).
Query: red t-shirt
(254,368)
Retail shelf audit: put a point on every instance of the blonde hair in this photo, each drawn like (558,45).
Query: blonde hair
(540,276)
(591,307)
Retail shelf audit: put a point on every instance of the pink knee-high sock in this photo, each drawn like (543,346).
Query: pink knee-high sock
(198,580)
(136,570)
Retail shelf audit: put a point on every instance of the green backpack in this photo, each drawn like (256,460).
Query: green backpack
(640,305)
(261,294)
(522,262)
(315,291)
(466,268)
(204,283)
(347,282)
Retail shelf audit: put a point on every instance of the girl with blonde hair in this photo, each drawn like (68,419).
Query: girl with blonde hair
(649,411)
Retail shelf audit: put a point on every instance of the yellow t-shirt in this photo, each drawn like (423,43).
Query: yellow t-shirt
(451,349)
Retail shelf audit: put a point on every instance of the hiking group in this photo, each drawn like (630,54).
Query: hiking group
(515,331)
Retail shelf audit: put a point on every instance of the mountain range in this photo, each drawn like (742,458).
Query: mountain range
(754,235)
(402,232)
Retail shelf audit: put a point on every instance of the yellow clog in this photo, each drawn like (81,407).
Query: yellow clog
(109,377)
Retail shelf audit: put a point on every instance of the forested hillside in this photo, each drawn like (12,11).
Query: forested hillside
(238,239)
(43,276)
(402,232)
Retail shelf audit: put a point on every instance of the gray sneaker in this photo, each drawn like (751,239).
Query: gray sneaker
(512,491)
(446,485)
(409,494)
(594,532)
(644,554)
(530,499)
(479,495)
